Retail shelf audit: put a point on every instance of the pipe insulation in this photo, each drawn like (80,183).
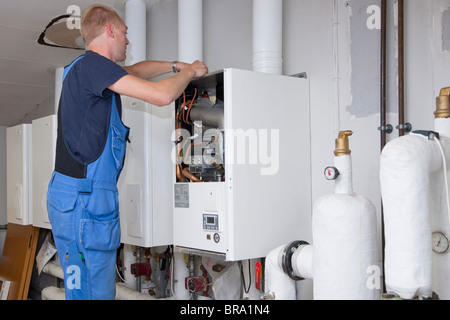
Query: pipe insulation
(344,238)
(302,260)
(415,204)
(268,36)
(278,285)
(54,293)
(179,272)
(441,216)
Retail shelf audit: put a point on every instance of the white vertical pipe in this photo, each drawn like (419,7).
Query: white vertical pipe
(268,36)
(190,30)
(179,275)
(136,21)
(268,58)
(190,49)
(344,185)
(128,259)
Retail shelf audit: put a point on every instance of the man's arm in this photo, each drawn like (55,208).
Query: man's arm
(159,93)
(152,69)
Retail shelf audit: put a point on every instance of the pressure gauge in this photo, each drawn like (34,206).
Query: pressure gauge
(440,242)
(331,173)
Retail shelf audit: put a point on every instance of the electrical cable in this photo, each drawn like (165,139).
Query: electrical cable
(246,290)
(445,174)
(123,280)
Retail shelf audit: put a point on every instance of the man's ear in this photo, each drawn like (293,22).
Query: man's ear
(109,30)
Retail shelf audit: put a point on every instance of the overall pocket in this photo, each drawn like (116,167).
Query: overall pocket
(60,208)
(100,235)
(100,225)
(119,145)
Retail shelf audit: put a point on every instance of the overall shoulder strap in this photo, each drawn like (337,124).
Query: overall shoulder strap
(67,69)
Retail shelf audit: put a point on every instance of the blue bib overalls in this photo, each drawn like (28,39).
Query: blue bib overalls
(84,214)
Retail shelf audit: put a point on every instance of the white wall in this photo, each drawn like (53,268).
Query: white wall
(331,42)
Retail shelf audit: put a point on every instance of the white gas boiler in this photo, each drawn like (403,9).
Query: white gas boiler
(242,163)
(43,153)
(145,184)
(18,176)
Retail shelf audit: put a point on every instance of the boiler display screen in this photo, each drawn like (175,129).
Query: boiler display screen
(210,222)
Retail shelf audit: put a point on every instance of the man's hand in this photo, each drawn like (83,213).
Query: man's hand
(199,68)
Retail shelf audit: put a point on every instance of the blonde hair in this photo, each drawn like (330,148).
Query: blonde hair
(95,18)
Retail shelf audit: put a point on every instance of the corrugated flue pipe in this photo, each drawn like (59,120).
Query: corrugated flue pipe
(268,36)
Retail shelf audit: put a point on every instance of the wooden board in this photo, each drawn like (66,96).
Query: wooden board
(17,260)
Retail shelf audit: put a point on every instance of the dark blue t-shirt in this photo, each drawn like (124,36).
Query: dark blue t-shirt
(85,109)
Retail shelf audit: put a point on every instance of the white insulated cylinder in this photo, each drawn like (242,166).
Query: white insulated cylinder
(344,238)
(406,170)
(268,36)
(440,217)
(415,205)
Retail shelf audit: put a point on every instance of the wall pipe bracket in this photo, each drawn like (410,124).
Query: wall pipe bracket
(386,128)
(407,127)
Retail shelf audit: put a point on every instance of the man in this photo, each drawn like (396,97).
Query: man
(82,198)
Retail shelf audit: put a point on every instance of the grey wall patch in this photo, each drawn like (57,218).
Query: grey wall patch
(365,59)
(446,30)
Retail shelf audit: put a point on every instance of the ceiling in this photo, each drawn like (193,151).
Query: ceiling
(27,69)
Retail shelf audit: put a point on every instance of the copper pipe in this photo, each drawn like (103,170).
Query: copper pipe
(383,116)
(383,72)
(401,68)
(190,176)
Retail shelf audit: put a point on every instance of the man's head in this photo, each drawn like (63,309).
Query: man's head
(101,22)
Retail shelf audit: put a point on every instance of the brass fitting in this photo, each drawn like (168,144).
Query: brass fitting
(342,144)
(443,104)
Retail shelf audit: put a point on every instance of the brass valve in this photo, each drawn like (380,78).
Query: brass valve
(443,104)
(342,144)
